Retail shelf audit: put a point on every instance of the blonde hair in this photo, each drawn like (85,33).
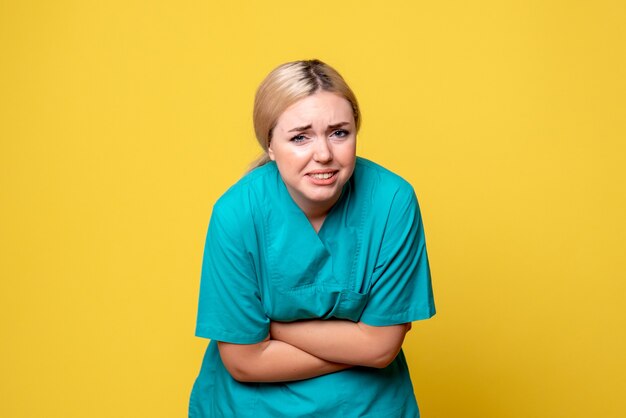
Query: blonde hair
(287,84)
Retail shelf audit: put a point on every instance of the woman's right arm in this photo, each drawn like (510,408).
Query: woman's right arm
(273,361)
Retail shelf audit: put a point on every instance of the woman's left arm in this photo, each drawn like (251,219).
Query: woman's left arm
(344,341)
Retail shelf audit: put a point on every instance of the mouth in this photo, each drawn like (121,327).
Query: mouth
(323,177)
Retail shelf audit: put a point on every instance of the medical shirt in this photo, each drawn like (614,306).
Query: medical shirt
(263,262)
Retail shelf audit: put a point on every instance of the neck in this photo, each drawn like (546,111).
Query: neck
(316,215)
(317,222)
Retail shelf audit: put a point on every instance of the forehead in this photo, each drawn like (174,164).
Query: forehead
(322,107)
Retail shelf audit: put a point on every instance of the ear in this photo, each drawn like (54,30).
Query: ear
(270,152)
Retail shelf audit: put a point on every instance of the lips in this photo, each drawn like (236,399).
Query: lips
(323,177)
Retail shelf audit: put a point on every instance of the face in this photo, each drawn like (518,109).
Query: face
(314,146)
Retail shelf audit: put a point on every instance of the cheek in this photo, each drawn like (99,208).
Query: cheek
(347,153)
(290,161)
(294,157)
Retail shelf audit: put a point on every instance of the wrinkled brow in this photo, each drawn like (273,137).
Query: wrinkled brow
(309,126)
(300,128)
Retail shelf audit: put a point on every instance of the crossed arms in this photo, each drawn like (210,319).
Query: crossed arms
(305,349)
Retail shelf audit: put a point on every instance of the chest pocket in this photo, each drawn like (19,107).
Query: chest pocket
(317,302)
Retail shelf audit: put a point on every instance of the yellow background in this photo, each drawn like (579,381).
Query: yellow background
(121,122)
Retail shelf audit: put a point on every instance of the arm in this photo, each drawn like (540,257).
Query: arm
(273,361)
(344,341)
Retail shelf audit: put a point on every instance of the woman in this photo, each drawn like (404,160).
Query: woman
(314,267)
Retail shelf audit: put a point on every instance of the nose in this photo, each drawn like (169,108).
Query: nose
(322,152)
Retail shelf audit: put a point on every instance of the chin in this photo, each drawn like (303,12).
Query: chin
(326,197)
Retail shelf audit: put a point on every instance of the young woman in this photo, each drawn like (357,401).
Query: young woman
(314,267)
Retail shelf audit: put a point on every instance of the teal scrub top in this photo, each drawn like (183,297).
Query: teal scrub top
(263,262)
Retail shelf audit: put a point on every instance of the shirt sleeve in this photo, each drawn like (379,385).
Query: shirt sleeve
(401,288)
(230,307)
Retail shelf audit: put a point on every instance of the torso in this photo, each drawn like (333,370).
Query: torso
(313,269)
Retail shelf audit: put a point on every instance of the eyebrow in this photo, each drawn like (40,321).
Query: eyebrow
(338,125)
(300,128)
(304,128)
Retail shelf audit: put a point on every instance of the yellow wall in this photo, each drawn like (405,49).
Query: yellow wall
(121,122)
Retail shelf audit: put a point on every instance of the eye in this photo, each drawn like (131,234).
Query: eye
(340,133)
(298,138)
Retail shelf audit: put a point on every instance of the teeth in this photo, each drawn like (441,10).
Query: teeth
(322,176)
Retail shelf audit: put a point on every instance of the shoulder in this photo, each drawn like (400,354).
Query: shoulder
(384,184)
(237,205)
(238,195)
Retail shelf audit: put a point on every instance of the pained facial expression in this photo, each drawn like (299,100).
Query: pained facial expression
(314,146)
